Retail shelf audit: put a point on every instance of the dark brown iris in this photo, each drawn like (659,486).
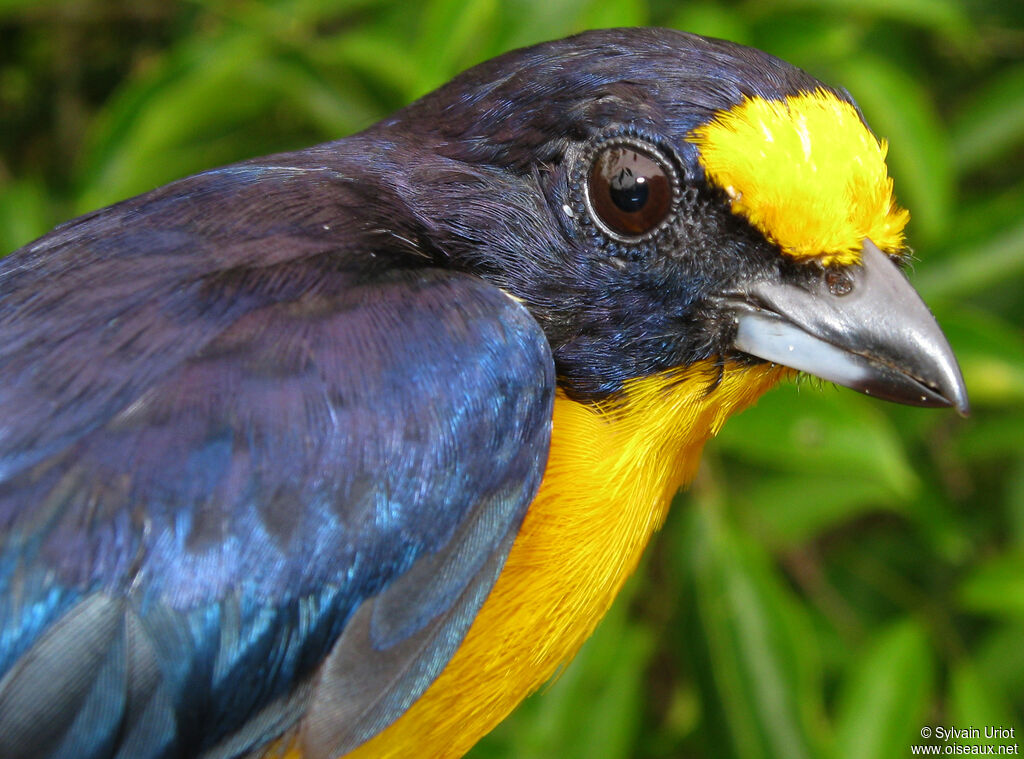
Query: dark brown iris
(629,190)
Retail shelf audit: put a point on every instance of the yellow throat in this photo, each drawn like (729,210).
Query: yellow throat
(611,474)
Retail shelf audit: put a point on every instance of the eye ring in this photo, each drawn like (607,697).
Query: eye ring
(630,188)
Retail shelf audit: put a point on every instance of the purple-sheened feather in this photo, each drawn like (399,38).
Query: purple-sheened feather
(242,456)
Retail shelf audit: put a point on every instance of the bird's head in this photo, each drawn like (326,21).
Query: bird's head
(659,199)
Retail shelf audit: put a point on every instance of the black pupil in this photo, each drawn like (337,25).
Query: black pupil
(629,192)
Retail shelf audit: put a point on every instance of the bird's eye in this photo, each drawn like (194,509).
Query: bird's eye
(629,190)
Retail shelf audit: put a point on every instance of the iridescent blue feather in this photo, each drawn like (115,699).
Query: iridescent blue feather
(242,457)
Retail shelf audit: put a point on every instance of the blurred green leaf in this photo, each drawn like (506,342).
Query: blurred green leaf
(995,586)
(991,436)
(24,213)
(386,60)
(821,432)
(978,703)
(159,141)
(759,660)
(999,659)
(1015,498)
(534,21)
(605,14)
(810,40)
(902,111)
(288,19)
(947,17)
(992,125)
(794,508)
(711,19)
(981,217)
(991,354)
(454,34)
(885,696)
(987,263)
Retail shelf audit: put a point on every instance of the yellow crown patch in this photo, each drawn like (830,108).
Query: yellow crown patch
(807,173)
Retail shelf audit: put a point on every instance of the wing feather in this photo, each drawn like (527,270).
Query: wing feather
(234,514)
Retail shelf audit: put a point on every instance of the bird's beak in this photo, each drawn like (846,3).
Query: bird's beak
(865,328)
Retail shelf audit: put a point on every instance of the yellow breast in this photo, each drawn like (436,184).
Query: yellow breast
(611,474)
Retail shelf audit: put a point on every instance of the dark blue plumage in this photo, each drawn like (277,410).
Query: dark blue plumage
(248,447)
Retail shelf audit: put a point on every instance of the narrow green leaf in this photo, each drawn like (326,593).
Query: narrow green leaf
(1015,501)
(900,110)
(529,21)
(999,658)
(809,40)
(712,20)
(756,653)
(992,124)
(996,587)
(212,105)
(793,508)
(454,35)
(288,19)
(990,352)
(606,14)
(945,16)
(337,108)
(180,111)
(982,216)
(824,432)
(992,437)
(25,213)
(885,696)
(978,703)
(977,267)
(385,58)
(615,684)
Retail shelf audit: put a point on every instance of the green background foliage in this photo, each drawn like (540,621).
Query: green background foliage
(843,572)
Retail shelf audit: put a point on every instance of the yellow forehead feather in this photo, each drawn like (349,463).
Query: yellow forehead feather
(806,172)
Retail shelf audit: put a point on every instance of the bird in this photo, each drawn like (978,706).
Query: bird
(344,451)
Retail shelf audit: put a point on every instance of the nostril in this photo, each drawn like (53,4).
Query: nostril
(839,283)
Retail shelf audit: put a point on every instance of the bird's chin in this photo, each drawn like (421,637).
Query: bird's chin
(869,331)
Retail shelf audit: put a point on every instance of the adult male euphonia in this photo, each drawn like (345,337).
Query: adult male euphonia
(344,451)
